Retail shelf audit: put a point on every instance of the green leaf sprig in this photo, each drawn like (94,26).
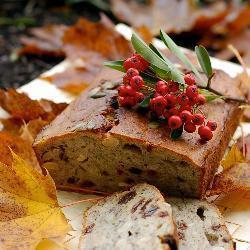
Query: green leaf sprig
(162,68)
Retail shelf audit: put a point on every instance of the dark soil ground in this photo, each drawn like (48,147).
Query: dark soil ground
(16,18)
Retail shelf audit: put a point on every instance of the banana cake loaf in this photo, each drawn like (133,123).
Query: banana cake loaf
(95,143)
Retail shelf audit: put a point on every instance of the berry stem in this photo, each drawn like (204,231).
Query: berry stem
(239,100)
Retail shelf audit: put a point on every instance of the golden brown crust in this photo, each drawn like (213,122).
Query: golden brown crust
(100,115)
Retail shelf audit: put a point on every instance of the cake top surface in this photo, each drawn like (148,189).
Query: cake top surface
(102,115)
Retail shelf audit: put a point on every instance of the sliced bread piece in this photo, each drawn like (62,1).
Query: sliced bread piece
(135,219)
(200,225)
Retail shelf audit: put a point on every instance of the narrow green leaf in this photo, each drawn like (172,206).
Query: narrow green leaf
(204,60)
(117,65)
(165,66)
(174,48)
(149,79)
(151,46)
(176,133)
(209,95)
(146,101)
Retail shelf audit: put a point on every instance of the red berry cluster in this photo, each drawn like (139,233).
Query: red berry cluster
(129,92)
(177,105)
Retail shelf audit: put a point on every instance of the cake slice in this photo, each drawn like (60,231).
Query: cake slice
(96,144)
(135,219)
(200,225)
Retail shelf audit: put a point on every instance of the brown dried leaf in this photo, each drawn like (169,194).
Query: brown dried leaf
(29,211)
(240,42)
(11,125)
(99,37)
(145,33)
(171,15)
(233,157)
(19,146)
(45,41)
(92,43)
(236,173)
(20,106)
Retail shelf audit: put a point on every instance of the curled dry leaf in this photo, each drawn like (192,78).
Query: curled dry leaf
(45,41)
(91,42)
(27,119)
(235,175)
(29,208)
(18,145)
(20,106)
(99,37)
(170,15)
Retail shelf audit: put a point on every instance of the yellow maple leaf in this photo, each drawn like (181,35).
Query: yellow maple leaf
(234,156)
(29,210)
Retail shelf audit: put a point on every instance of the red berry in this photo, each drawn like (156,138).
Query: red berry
(128,64)
(193,100)
(182,99)
(205,133)
(161,88)
(173,86)
(136,82)
(174,122)
(192,91)
(201,99)
(189,127)
(186,107)
(126,101)
(157,94)
(126,79)
(171,99)
(173,111)
(132,62)
(139,97)
(186,116)
(158,103)
(132,72)
(189,79)
(126,91)
(212,125)
(198,119)
(144,63)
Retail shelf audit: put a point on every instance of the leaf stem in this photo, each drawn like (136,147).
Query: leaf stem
(81,201)
(80,190)
(239,100)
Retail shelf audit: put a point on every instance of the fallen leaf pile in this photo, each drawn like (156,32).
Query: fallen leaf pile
(171,15)
(234,29)
(236,170)
(86,45)
(29,210)
(27,118)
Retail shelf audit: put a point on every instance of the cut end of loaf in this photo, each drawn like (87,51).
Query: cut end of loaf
(109,163)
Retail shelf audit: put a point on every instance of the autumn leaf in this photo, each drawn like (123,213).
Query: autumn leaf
(234,156)
(90,43)
(18,145)
(20,106)
(235,174)
(172,16)
(29,208)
